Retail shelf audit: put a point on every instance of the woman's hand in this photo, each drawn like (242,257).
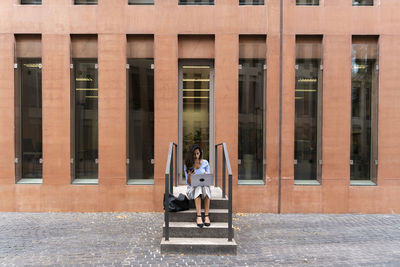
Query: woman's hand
(190,172)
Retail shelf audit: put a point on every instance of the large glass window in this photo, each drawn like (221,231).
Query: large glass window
(86,118)
(28,109)
(364,109)
(363,2)
(29,117)
(141,118)
(85,2)
(307,2)
(251,2)
(196,2)
(31,2)
(308,108)
(251,143)
(196,86)
(251,119)
(141,2)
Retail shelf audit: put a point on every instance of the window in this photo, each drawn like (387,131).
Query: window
(141,2)
(307,2)
(363,2)
(140,118)
(364,109)
(252,52)
(84,97)
(28,109)
(196,2)
(308,109)
(85,2)
(251,2)
(31,2)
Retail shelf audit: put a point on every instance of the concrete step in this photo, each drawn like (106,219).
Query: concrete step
(216,203)
(216,246)
(216,215)
(190,229)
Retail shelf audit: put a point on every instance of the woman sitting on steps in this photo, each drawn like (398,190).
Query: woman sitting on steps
(195,164)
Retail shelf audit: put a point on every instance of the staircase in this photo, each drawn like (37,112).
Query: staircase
(186,238)
(180,232)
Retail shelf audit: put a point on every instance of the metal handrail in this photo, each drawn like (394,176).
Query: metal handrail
(169,172)
(226,166)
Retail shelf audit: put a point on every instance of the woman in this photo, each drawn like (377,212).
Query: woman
(195,164)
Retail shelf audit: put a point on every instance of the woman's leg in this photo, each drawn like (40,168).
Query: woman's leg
(197,203)
(206,209)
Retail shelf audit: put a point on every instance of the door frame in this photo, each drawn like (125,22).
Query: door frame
(195,62)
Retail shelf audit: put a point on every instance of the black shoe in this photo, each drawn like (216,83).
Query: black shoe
(199,224)
(207,224)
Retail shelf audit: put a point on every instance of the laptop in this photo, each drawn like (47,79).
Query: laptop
(205,179)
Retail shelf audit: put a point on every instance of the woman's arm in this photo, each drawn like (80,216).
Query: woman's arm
(187,175)
(207,167)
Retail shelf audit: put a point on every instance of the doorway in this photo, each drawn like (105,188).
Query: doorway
(195,111)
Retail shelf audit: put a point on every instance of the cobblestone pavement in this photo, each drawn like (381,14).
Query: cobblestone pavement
(118,239)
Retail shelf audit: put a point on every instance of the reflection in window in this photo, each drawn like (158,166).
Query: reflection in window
(251,2)
(363,2)
(29,121)
(85,2)
(196,82)
(141,118)
(86,118)
(307,2)
(196,2)
(31,2)
(141,2)
(308,108)
(251,119)
(364,106)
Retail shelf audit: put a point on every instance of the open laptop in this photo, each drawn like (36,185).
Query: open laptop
(205,179)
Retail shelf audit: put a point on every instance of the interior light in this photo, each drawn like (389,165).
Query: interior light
(298,97)
(193,97)
(195,67)
(195,90)
(33,65)
(307,80)
(305,90)
(84,79)
(360,67)
(196,80)
(91,96)
(86,89)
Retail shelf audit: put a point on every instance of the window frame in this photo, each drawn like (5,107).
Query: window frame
(253,4)
(39,3)
(320,97)
(196,4)
(133,181)
(373,179)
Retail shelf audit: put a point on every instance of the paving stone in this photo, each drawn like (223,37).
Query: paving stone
(133,239)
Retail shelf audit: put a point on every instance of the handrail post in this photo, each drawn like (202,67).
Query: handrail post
(216,167)
(166,213)
(171,168)
(223,172)
(176,165)
(230,230)
(166,194)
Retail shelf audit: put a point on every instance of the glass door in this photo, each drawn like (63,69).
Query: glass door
(196,110)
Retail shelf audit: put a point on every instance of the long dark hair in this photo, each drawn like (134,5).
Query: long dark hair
(190,158)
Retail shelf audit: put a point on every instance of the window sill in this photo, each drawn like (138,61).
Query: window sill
(140,182)
(362,183)
(251,182)
(86,181)
(306,182)
(30,181)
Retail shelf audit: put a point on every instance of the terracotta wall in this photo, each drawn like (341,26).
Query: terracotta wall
(335,20)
